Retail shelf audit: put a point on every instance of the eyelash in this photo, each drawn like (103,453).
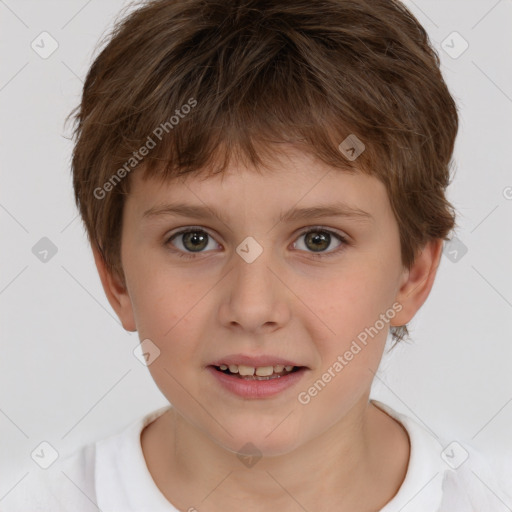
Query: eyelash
(314,229)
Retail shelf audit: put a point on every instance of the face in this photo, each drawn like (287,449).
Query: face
(249,280)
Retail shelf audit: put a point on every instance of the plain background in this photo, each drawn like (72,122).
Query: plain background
(68,374)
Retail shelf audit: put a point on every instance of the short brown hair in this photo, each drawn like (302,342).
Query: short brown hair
(255,72)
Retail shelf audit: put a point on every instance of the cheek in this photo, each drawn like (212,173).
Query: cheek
(169,308)
(158,296)
(162,311)
(353,311)
(351,299)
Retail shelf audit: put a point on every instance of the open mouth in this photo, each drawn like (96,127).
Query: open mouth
(261,373)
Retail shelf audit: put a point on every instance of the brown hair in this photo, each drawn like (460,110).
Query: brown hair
(195,80)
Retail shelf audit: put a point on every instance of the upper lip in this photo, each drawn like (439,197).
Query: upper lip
(254,361)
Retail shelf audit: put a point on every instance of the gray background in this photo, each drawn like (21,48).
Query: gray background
(68,374)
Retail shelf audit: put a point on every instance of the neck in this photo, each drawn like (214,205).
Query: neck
(365,450)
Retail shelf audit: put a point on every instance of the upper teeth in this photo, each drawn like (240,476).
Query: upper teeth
(260,371)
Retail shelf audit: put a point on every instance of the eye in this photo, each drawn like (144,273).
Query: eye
(191,240)
(318,239)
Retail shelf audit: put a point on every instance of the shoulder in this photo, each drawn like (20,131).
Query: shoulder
(109,474)
(447,476)
(66,485)
(477,484)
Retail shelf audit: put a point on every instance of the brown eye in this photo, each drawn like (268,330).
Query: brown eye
(318,240)
(195,240)
(191,240)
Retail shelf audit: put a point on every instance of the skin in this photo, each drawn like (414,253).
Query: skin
(327,454)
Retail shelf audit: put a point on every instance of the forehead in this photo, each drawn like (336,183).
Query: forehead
(297,180)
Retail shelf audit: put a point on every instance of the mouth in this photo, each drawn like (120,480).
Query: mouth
(244,372)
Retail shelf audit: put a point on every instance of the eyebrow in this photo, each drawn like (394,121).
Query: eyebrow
(313,212)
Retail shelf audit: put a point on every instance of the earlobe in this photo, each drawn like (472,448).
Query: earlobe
(418,281)
(116,292)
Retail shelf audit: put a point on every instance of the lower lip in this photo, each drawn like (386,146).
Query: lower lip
(256,388)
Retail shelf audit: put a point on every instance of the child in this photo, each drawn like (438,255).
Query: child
(263,186)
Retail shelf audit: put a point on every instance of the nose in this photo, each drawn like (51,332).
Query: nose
(256,300)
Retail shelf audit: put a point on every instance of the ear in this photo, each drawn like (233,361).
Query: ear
(417,282)
(116,292)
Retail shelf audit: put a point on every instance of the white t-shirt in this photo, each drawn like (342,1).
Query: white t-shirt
(111,475)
